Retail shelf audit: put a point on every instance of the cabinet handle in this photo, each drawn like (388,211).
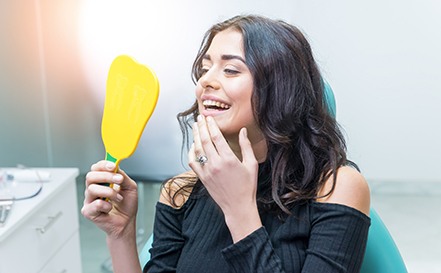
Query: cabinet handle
(51,221)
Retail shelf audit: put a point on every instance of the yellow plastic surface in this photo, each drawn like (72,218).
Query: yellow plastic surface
(132,92)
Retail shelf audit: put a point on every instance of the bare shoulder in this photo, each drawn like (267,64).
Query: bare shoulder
(176,190)
(351,189)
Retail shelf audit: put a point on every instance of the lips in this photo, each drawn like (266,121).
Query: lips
(215,105)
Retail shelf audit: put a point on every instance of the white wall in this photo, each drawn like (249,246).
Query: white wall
(381,57)
(383,60)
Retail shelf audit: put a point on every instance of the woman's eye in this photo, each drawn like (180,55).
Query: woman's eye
(203,70)
(231,71)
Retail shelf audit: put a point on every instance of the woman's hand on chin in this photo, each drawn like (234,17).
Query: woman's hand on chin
(232,183)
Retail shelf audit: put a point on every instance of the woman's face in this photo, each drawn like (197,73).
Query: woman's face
(225,88)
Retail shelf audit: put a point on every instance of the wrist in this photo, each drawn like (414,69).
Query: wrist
(122,240)
(124,232)
(243,222)
(123,251)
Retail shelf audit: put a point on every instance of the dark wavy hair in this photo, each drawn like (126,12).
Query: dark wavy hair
(305,144)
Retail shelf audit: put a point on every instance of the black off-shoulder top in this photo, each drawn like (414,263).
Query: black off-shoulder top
(315,238)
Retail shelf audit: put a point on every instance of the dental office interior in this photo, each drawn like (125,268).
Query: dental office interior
(381,58)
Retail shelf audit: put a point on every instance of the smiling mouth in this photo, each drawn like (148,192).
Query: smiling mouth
(215,105)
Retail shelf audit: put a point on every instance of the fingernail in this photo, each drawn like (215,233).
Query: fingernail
(245,134)
(199,118)
(117,178)
(110,165)
(119,197)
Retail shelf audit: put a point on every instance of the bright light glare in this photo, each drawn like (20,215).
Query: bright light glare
(111,28)
(154,33)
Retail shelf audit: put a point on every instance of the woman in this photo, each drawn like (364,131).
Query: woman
(270,188)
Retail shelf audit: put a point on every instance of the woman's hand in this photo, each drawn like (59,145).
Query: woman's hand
(231,182)
(116,217)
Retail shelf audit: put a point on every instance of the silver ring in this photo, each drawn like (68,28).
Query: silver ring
(202,159)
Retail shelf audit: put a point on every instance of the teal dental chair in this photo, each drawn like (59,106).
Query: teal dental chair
(382,255)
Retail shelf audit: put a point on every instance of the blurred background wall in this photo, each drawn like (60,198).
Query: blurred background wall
(382,59)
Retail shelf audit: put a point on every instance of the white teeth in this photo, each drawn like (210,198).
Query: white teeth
(215,103)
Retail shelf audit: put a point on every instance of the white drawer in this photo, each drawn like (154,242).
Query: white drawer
(39,238)
(67,259)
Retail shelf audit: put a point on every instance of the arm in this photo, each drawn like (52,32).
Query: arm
(167,230)
(254,253)
(116,217)
(338,235)
(337,240)
(231,179)
(340,225)
(124,252)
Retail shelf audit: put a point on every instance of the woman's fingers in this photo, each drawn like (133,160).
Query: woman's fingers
(95,209)
(197,145)
(217,140)
(208,139)
(248,156)
(103,165)
(205,138)
(192,155)
(210,142)
(99,177)
(110,208)
(97,180)
(103,172)
(96,191)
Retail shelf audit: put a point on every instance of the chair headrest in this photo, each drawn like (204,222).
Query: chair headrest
(330,99)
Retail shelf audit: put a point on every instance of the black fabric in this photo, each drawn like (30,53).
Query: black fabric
(316,237)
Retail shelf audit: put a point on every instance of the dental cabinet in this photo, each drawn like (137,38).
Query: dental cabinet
(41,233)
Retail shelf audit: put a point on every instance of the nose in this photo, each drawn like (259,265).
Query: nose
(209,80)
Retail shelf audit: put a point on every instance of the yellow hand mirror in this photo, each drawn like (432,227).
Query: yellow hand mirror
(132,91)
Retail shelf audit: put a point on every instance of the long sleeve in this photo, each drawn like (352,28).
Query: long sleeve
(315,238)
(253,254)
(337,242)
(338,239)
(168,240)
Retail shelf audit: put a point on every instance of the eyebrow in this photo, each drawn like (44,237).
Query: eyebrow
(225,57)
